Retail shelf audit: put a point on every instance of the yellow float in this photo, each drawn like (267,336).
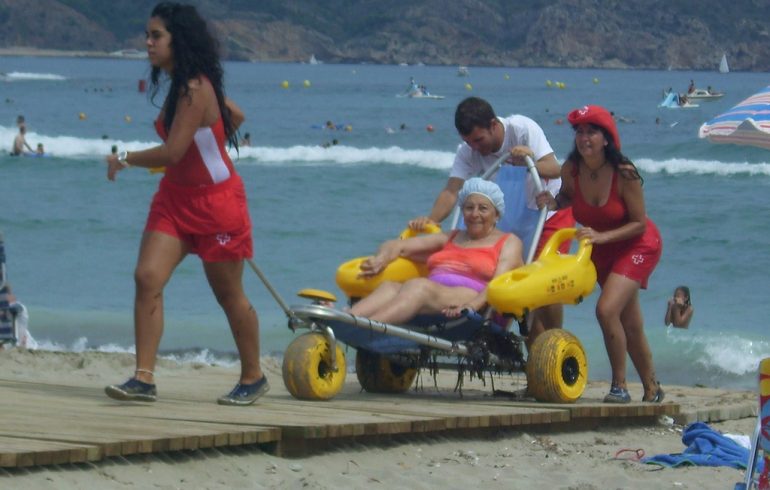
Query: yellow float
(553,278)
(400,270)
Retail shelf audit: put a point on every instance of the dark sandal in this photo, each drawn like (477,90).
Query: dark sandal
(133,390)
(245,394)
(658,398)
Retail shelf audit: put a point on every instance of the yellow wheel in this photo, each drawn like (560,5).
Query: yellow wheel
(557,368)
(377,374)
(307,370)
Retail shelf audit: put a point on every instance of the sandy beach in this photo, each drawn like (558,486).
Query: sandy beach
(580,459)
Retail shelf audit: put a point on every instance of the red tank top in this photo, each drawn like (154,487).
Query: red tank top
(613,214)
(479,263)
(206,161)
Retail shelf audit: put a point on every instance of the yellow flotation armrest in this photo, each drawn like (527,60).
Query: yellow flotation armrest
(552,279)
(400,270)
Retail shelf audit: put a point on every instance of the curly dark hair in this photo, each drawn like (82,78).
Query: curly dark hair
(196,53)
(622,164)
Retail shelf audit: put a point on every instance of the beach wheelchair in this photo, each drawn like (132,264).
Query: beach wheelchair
(9,310)
(388,357)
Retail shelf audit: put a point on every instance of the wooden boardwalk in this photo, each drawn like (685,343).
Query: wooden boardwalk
(44,424)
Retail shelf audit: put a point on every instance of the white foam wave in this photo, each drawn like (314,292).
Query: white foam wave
(80,345)
(727,353)
(72,146)
(341,155)
(702,167)
(347,155)
(20,75)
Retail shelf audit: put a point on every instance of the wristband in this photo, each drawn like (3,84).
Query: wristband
(122,156)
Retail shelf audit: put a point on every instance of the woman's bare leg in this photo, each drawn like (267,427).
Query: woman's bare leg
(159,254)
(226,282)
(378,298)
(617,293)
(638,347)
(418,296)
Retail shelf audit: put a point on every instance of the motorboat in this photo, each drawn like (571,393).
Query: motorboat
(704,94)
(415,91)
(462,71)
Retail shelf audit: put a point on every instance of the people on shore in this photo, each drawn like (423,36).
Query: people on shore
(460,263)
(679,309)
(200,206)
(604,189)
(486,138)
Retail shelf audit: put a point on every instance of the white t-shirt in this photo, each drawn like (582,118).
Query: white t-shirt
(519,130)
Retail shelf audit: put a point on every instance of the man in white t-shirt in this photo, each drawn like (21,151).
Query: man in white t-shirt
(486,138)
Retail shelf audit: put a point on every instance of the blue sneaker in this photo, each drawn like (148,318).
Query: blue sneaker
(658,398)
(617,395)
(133,390)
(244,394)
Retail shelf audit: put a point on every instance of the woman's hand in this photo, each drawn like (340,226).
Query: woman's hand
(594,237)
(113,166)
(546,199)
(372,266)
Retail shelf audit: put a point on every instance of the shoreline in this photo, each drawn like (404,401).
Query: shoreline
(20,51)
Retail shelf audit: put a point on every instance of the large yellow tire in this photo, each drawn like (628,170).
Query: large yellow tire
(307,370)
(557,368)
(377,374)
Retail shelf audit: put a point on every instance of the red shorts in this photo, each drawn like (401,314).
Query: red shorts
(634,259)
(561,219)
(213,220)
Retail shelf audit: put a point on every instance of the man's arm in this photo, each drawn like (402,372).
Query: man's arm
(446,199)
(442,206)
(548,167)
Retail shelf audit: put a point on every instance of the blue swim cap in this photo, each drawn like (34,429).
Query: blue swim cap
(490,190)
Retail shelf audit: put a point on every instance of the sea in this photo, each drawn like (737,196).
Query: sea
(72,237)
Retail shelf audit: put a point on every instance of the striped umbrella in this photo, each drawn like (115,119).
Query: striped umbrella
(748,123)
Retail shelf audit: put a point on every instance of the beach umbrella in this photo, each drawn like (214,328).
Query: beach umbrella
(748,123)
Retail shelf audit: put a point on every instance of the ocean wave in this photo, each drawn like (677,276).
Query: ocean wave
(722,353)
(346,156)
(341,155)
(702,167)
(192,356)
(20,75)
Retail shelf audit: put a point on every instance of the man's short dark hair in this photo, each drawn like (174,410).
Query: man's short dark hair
(473,112)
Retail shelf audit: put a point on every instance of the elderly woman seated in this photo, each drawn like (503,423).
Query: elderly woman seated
(460,262)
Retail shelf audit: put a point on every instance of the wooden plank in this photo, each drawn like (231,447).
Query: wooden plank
(18,452)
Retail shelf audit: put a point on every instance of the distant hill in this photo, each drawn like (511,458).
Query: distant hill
(655,34)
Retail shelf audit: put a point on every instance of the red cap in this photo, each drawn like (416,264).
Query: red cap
(597,115)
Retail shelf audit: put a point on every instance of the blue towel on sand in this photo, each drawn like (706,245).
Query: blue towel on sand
(705,447)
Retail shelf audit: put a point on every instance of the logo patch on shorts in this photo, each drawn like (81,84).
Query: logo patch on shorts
(637,259)
(223,238)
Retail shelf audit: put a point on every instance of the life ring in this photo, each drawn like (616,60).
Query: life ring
(400,270)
